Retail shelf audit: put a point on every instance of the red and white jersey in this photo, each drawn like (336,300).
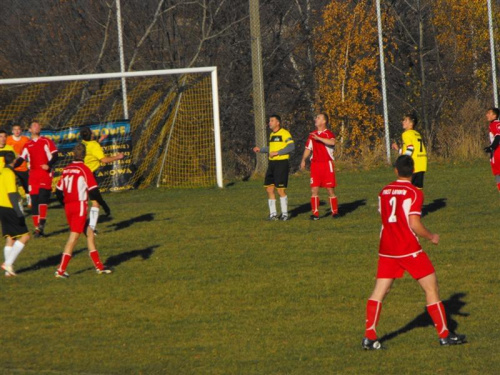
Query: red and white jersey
(320,151)
(397,201)
(76,181)
(494,129)
(38,152)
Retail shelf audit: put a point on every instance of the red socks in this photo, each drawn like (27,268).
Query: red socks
(315,206)
(94,255)
(42,210)
(64,263)
(334,205)
(373,309)
(438,315)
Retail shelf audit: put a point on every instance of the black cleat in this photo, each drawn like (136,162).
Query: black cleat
(272,217)
(368,344)
(314,217)
(284,217)
(38,232)
(453,339)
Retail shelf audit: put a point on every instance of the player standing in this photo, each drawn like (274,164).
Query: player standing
(400,207)
(17,141)
(493,149)
(76,185)
(413,145)
(41,152)
(320,144)
(13,224)
(280,146)
(4,147)
(93,159)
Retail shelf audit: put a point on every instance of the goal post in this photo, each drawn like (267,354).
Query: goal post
(164,106)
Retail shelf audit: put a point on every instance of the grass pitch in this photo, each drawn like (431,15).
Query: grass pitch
(204,285)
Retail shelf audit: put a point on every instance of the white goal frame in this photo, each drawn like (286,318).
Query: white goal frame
(146,73)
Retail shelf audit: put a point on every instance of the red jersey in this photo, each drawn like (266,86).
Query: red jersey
(38,151)
(397,201)
(494,131)
(76,180)
(320,151)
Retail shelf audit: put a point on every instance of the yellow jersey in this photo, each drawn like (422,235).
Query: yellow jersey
(7,185)
(413,145)
(278,141)
(3,149)
(94,154)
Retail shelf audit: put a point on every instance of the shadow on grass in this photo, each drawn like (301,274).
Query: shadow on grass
(347,208)
(52,261)
(116,260)
(452,305)
(304,208)
(434,206)
(138,219)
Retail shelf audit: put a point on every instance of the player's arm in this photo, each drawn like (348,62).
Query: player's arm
(53,160)
(305,156)
(420,230)
(13,195)
(491,148)
(110,159)
(288,149)
(326,141)
(262,150)
(60,196)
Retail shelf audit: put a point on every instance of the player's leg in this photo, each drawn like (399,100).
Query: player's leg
(283,203)
(334,205)
(281,181)
(269,185)
(94,215)
(330,183)
(16,232)
(315,202)
(316,179)
(497,180)
(34,212)
(23,178)
(43,204)
(76,213)
(66,255)
(94,254)
(417,179)
(374,306)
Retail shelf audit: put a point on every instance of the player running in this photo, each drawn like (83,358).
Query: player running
(493,149)
(13,224)
(400,207)
(320,144)
(413,145)
(76,185)
(280,146)
(41,152)
(17,141)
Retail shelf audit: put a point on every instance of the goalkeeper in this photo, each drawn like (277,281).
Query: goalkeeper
(93,159)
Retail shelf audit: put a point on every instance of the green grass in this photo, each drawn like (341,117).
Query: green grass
(204,285)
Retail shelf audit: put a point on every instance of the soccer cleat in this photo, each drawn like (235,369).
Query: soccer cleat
(368,344)
(284,217)
(314,217)
(104,271)
(453,339)
(38,232)
(63,275)
(272,217)
(9,270)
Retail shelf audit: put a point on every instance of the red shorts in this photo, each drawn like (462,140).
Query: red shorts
(495,162)
(76,214)
(418,266)
(323,174)
(39,179)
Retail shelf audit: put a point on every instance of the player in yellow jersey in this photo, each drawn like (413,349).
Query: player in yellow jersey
(280,146)
(14,226)
(413,145)
(4,147)
(93,159)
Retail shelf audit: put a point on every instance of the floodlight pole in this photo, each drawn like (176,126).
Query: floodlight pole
(122,58)
(382,78)
(492,52)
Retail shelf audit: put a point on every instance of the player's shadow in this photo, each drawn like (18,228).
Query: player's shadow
(116,260)
(347,208)
(437,204)
(49,262)
(452,305)
(56,232)
(138,219)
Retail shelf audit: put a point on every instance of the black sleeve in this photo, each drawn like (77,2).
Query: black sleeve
(18,162)
(14,201)
(55,158)
(60,196)
(495,143)
(95,195)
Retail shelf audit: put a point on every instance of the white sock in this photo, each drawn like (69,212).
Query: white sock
(272,206)
(284,205)
(28,199)
(6,252)
(12,256)
(93,217)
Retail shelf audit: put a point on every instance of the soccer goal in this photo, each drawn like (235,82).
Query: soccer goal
(171,137)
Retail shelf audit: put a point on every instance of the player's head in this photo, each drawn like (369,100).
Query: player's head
(321,120)
(404,166)
(9,157)
(3,137)
(35,128)
(16,130)
(274,122)
(86,133)
(79,152)
(410,120)
(492,114)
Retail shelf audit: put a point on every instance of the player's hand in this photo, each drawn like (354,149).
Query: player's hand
(120,156)
(303,165)
(256,149)
(315,136)
(395,146)
(488,150)
(434,238)
(273,154)
(45,167)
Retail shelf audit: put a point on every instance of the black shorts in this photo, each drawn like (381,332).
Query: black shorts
(23,177)
(12,226)
(417,179)
(277,174)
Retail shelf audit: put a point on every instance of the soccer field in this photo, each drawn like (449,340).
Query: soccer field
(203,284)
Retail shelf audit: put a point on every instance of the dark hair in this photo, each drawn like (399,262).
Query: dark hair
(9,157)
(412,117)
(325,116)
(79,151)
(86,133)
(404,165)
(3,131)
(277,117)
(496,111)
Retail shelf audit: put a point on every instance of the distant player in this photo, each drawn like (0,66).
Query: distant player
(95,156)
(13,224)
(280,146)
(4,147)
(17,141)
(493,149)
(400,207)
(413,145)
(320,144)
(76,185)
(41,152)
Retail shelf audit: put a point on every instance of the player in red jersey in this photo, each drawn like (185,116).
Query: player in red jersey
(493,149)
(320,144)
(400,207)
(76,186)
(41,153)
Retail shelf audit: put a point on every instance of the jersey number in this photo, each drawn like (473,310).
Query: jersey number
(68,182)
(421,143)
(392,217)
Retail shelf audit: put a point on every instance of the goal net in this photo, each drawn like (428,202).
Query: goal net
(171,137)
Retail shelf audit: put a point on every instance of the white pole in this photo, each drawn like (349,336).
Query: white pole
(122,58)
(382,78)
(218,150)
(492,52)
